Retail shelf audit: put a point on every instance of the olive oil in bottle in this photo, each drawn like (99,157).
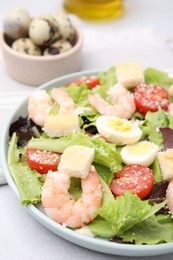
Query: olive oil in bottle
(94,9)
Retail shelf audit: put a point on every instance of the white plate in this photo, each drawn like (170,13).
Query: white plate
(95,244)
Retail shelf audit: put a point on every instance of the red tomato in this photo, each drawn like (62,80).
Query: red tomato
(42,161)
(150,98)
(91,82)
(135,178)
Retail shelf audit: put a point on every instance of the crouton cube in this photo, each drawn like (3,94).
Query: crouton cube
(61,124)
(130,74)
(76,161)
(165,160)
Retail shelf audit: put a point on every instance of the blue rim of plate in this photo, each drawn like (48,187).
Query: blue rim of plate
(96,244)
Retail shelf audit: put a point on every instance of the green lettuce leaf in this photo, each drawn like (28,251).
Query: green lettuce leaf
(149,231)
(101,228)
(105,153)
(28,182)
(154,230)
(158,176)
(165,219)
(107,80)
(91,116)
(107,194)
(160,78)
(170,121)
(88,120)
(125,212)
(79,94)
(75,188)
(104,173)
(151,125)
(54,109)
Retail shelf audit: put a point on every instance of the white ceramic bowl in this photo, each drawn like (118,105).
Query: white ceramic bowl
(99,245)
(36,70)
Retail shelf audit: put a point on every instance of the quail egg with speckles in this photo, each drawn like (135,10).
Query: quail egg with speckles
(57,47)
(43,31)
(26,46)
(16,22)
(65,26)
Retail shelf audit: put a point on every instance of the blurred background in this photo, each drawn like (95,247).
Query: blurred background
(143,33)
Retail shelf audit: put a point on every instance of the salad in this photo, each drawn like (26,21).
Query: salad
(97,154)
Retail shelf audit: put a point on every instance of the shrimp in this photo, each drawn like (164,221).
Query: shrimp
(123,102)
(63,99)
(61,207)
(39,105)
(169,196)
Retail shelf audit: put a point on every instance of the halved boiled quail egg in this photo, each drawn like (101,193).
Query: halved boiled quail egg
(142,153)
(117,130)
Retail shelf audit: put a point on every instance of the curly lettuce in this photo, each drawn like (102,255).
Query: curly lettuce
(28,182)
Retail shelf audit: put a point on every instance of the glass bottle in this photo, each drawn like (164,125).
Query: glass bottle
(94,9)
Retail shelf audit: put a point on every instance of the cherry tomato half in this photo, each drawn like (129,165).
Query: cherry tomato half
(135,178)
(91,82)
(42,161)
(150,98)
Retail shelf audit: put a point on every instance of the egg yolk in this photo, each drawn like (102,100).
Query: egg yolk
(119,125)
(140,149)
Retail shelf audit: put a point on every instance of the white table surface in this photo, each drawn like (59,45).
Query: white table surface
(143,34)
